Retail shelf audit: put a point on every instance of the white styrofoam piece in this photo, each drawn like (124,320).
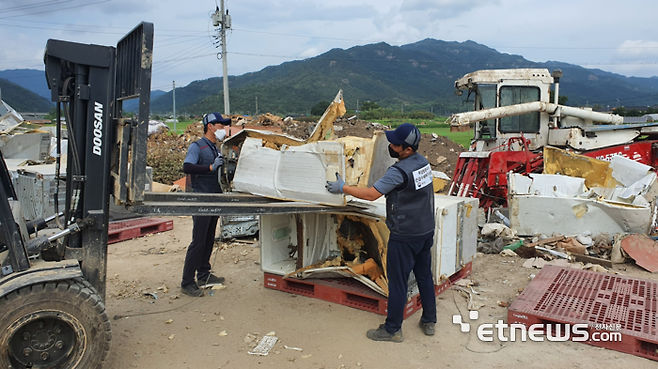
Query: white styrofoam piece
(556,185)
(264,346)
(297,173)
(639,187)
(441,175)
(553,185)
(518,183)
(532,215)
(627,171)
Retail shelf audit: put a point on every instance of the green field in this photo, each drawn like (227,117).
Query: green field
(462,138)
(180,126)
(437,125)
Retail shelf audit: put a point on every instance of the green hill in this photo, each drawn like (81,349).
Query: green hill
(23,100)
(418,76)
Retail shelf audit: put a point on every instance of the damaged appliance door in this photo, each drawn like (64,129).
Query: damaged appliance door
(297,173)
(455,235)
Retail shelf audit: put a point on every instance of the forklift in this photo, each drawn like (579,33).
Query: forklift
(52,284)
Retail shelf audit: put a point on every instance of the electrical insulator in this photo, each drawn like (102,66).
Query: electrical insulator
(216,19)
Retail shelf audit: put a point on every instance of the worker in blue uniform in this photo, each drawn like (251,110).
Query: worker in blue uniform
(202,163)
(407,185)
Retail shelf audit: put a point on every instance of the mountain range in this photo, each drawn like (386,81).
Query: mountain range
(22,99)
(417,76)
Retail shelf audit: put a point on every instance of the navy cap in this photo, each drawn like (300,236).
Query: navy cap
(405,134)
(214,118)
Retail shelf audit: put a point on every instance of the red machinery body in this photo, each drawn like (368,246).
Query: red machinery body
(484,174)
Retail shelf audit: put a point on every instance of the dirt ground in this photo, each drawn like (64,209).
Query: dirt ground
(177,331)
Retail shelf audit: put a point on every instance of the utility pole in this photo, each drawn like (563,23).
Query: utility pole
(174,99)
(256,105)
(222,21)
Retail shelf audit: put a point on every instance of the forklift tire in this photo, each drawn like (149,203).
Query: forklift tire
(58,324)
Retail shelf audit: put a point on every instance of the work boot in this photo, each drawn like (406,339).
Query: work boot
(192,290)
(380,334)
(209,279)
(428,328)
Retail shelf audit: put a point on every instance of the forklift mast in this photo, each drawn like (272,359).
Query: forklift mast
(89,83)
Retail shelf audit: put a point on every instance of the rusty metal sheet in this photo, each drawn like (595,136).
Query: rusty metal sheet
(643,250)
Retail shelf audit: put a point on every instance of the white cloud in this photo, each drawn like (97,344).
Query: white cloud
(310,52)
(275,31)
(637,50)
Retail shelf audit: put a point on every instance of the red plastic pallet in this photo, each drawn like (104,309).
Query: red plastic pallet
(608,303)
(132,228)
(349,292)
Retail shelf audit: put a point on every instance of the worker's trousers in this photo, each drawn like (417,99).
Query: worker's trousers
(403,257)
(197,259)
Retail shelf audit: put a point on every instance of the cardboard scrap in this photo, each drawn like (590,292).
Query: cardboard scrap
(535,262)
(618,255)
(507,252)
(573,246)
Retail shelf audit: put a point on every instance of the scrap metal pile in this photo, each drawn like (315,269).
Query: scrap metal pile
(579,209)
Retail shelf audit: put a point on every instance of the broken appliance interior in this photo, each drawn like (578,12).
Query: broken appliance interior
(329,245)
(577,193)
(334,244)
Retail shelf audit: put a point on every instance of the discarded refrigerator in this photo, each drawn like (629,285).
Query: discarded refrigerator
(327,245)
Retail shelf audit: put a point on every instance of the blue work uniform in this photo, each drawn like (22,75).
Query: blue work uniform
(197,259)
(203,152)
(409,193)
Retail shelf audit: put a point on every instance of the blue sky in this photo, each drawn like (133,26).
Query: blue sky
(610,35)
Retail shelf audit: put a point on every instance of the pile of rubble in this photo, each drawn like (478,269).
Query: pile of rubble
(166,152)
(602,213)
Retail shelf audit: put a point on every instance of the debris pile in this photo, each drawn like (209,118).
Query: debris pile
(267,119)
(166,152)
(581,251)
(578,193)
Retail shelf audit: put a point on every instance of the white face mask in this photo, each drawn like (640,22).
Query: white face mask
(220,134)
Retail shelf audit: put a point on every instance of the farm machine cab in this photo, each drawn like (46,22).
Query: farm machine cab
(513,120)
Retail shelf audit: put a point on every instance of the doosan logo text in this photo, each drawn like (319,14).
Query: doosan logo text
(98,128)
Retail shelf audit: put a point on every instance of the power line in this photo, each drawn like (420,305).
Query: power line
(35,5)
(55,10)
